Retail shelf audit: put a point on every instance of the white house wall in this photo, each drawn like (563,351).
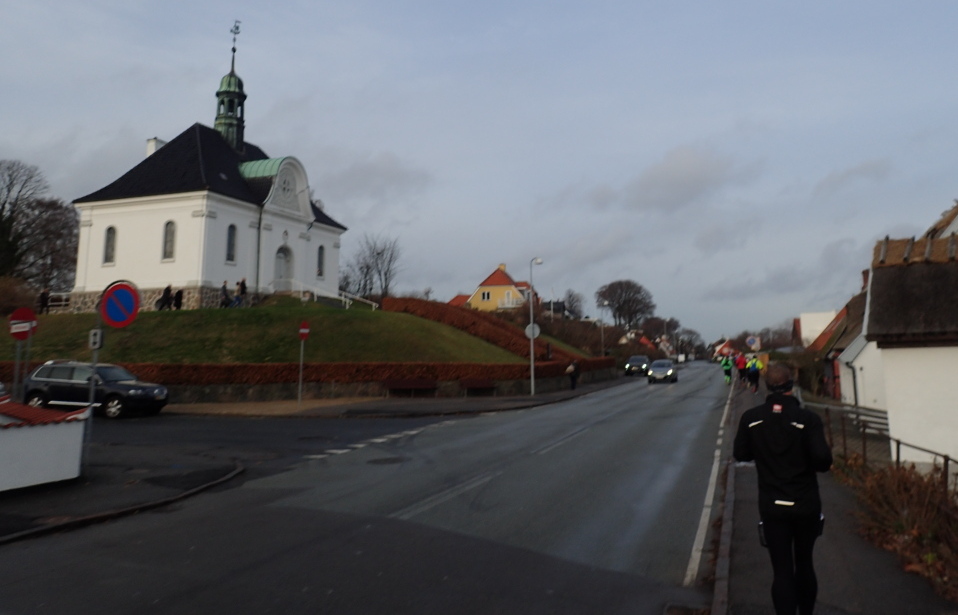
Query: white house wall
(869,378)
(921,400)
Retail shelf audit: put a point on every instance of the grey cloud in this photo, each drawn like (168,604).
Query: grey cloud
(371,179)
(684,176)
(834,272)
(871,171)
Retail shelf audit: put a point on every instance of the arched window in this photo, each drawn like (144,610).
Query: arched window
(169,239)
(109,246)
(320,261)
(231,244)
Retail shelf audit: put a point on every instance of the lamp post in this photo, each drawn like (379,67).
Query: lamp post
(604,304)
(532,337)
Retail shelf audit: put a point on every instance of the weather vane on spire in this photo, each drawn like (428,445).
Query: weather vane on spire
(235,30)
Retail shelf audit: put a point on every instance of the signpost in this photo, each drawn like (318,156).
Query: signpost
(118,307)
(303,334)
(23,324)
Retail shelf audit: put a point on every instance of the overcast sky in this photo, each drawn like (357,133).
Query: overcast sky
(738,159)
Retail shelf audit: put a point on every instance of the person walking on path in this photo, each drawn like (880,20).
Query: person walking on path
(727,364)
(44,301)
(166,299)
(787,444)
(753,369)
(573,371)
(740,362)
(225,298)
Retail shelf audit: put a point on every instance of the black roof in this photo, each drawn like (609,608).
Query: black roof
(196,159)
(320,216)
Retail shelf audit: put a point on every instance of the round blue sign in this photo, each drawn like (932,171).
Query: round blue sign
(120,304)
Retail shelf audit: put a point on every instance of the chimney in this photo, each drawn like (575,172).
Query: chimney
(502,266)
(152,145)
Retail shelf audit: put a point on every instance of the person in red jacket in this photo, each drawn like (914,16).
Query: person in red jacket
(787,444)
(740,362)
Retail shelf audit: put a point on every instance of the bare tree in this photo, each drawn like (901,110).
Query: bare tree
(375,264)
(573,303)
(38,234)
(629,301)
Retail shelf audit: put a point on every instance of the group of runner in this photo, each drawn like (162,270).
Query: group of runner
(749,368)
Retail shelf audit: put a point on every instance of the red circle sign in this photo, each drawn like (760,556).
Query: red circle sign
(120,304)
(23,322)
(303,330)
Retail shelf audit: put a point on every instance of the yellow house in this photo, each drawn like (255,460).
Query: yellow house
(497,292)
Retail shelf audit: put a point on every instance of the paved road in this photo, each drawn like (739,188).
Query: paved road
(588,506)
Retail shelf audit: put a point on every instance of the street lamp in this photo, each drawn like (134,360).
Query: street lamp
(532,336)
(602,326)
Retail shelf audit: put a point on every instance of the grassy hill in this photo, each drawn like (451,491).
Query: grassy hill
(266,334)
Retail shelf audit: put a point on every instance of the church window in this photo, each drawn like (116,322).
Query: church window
(321,261)
(109,246)
(169,239)
(231,244)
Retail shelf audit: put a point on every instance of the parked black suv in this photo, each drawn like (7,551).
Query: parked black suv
(67,383)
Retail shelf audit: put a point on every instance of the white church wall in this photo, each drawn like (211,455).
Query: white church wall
(138,254)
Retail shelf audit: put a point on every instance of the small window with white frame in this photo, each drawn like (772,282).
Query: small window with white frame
(169,240)
(109,246)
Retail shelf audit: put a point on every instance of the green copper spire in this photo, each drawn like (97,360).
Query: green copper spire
(230,99)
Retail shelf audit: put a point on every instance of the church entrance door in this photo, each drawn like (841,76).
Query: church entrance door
(283,281)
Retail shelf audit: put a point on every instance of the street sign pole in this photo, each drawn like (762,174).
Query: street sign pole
(16,374)
(303,334)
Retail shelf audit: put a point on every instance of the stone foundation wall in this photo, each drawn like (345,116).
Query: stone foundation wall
(193,298)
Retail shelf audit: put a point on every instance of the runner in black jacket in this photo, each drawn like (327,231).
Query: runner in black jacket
(787,444)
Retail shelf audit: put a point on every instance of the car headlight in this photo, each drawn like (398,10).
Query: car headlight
(669,373)
(627,366)
(136,392)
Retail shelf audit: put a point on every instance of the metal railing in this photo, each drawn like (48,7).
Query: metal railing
(307,293)
(856,430)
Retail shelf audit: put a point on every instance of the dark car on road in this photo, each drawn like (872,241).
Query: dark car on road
(117,393)
(663,370)
(637,364)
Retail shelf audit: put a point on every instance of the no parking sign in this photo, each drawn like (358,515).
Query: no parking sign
(120,304)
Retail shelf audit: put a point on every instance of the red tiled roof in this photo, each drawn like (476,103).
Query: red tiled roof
(498,278)
(459,300)
(28,416)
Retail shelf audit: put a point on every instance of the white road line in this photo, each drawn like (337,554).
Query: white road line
(358,445)
(443,496)
(315,456)
(692,571)
(562,440)
(338,451)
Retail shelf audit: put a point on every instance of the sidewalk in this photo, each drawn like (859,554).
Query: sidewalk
(854,577)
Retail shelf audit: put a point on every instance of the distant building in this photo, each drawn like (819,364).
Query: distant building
(204,208)
(497,292)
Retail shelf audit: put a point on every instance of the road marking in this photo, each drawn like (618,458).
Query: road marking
(692,571)
(315,456)
(339,451)
(442,497)
(566,438)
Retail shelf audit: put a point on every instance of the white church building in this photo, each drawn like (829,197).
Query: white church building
(203,209)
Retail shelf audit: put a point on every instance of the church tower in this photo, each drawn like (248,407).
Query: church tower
(230,99)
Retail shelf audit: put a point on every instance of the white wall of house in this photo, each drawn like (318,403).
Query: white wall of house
(921,399)
(869,377)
